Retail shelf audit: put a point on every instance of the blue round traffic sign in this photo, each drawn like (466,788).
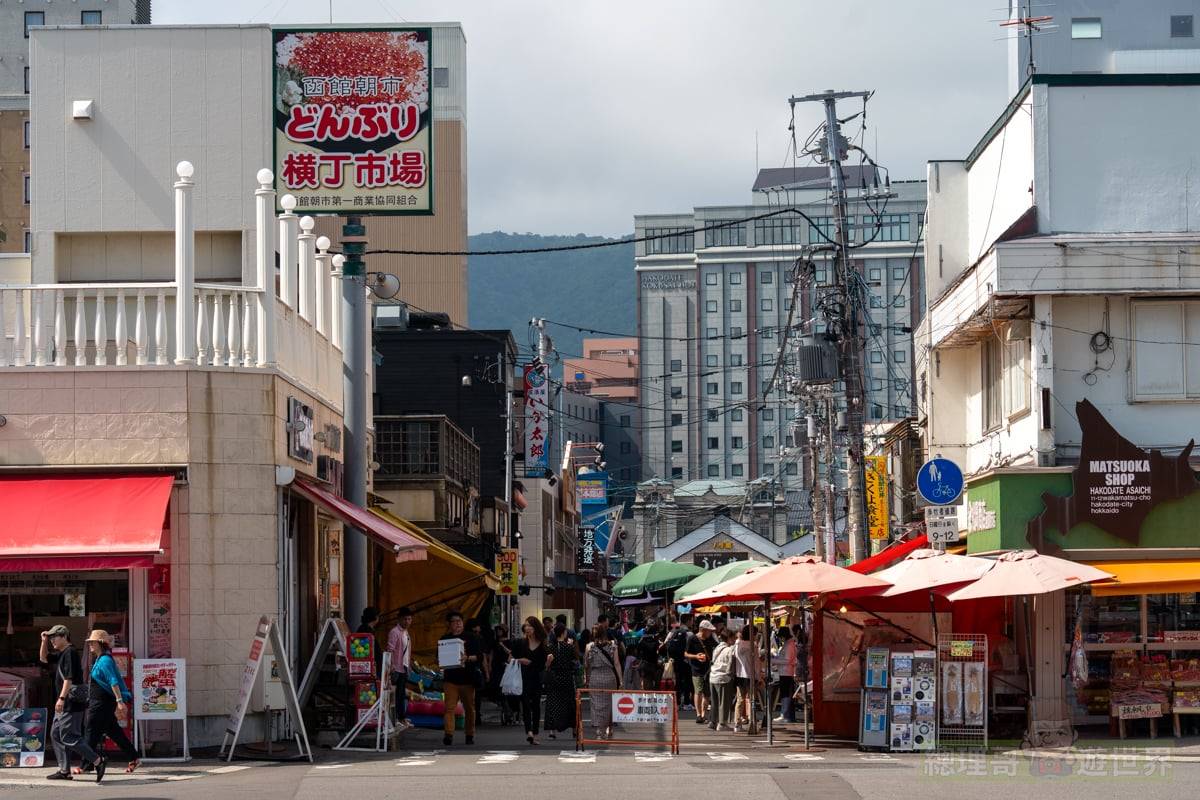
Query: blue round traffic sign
(940,481)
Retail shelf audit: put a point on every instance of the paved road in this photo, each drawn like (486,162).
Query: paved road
(727,774)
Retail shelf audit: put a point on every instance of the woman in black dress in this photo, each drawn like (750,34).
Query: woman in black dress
(563,653)
(532,654)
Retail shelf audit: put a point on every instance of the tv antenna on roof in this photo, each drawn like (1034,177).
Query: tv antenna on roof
(1028,26)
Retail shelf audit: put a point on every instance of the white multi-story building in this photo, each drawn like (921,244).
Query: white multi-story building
(712,305)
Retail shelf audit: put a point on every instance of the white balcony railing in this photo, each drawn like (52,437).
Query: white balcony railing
(220,325)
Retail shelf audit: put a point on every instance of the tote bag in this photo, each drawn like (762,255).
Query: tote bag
(510,682)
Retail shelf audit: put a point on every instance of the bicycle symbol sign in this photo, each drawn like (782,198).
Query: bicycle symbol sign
(940,481)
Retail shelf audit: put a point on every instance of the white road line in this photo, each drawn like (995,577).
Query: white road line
(650,756)
(231,768)
(729,757)
(415,762)
(877,757)
(332,766)
(498,757)
(427,753)
(803,757)
(574,757)
(181,777)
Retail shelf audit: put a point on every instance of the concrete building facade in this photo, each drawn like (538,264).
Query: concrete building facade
(712,305)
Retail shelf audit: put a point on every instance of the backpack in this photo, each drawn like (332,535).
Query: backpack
(677,644)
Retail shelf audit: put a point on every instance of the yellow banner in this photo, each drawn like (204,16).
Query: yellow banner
(877,497)
(506,568)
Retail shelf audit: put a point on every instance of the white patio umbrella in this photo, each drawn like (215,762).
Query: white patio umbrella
(923,570)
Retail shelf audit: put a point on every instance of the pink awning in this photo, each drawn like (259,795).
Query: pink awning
(406,546)
(82,521)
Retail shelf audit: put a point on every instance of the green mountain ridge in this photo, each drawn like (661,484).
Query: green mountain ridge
(589,288)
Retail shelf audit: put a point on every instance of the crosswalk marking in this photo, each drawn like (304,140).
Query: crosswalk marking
(332,766)
(415,762)
(181,777)
(803,757)
(498,757)
(573,757)
(729,756)
(226,770)
(651,756)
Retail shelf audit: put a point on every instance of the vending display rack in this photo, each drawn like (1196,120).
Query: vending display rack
(962,669)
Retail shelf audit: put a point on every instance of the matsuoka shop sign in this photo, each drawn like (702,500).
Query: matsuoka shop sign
(352,116)
(1115,487)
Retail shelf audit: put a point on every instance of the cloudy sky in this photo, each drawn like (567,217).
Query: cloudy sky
(582,113)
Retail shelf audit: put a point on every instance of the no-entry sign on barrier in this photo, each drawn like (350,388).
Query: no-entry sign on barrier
(655,709)
(643,707)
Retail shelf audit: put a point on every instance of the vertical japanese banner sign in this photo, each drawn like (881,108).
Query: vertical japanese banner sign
(353,120)
(506,568)
(537,422)
(877,497)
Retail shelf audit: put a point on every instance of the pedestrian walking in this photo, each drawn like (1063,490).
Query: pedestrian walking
(66,731)
(647,659)
(563,657)
(533,655)
(600,671)
(400,646)
(699,652)
(475,628)
(722,689)
(510,707)
(745,675)
(785,664)
(675,648)
(108,700)
(459,683)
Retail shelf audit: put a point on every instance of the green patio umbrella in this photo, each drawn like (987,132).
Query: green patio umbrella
(714,576)
(655,576)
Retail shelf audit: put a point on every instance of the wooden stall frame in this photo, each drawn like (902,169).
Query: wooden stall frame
(580,741)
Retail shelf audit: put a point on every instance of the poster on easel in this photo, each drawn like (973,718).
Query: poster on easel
(334,638)
(265,631)
(159,693)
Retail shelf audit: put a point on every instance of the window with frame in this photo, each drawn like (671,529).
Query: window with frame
(768,414)
(768,468)
(1085,28)
(876,301)
(91,17)
(735,359)
(787,304)
(713,415)
(711,279)
(26,187)
(822,275)
(876,411)
(892,228)
(901,412)
(714,443)
(676,420)
(821,229)
(735,387)
(735,306)
(876,357)
(714,470)
(676,365)
(767,304)
(735,279)
(27,80)
(676,392)
(767,333)
(992,382)
(710,306)
(626,421)
(711,333)
(676,473)
(737,442)
(26,132)
(899,356)
(673,240)
(1166,349)
(899,274)
(1181,26)
(875,275)
(34,18)
(768,442)
(626,448)
(677,445)
(28,241)
(792,468)
(766,386)
(876,384)
(735,332)
(736,470)
(735,415)
(711,388)
(766,278)
(898,301)
(710,361)
(732,235)
(777,230)
(790,413)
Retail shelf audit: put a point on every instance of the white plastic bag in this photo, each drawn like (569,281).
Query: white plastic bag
(510,682)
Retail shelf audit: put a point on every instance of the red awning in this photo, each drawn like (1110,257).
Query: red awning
(406,546)
(889,556)
(82,522)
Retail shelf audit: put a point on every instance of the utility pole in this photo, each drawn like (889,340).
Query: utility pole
(850,341)
(354,387)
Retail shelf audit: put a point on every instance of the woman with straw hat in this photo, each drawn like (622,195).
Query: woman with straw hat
(108,699)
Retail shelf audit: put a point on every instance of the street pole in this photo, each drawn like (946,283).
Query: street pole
(354,388)
(850,341)
(830,485)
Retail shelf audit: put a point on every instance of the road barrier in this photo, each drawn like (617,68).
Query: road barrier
(630,707)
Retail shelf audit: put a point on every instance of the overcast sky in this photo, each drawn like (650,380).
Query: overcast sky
(582,113)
